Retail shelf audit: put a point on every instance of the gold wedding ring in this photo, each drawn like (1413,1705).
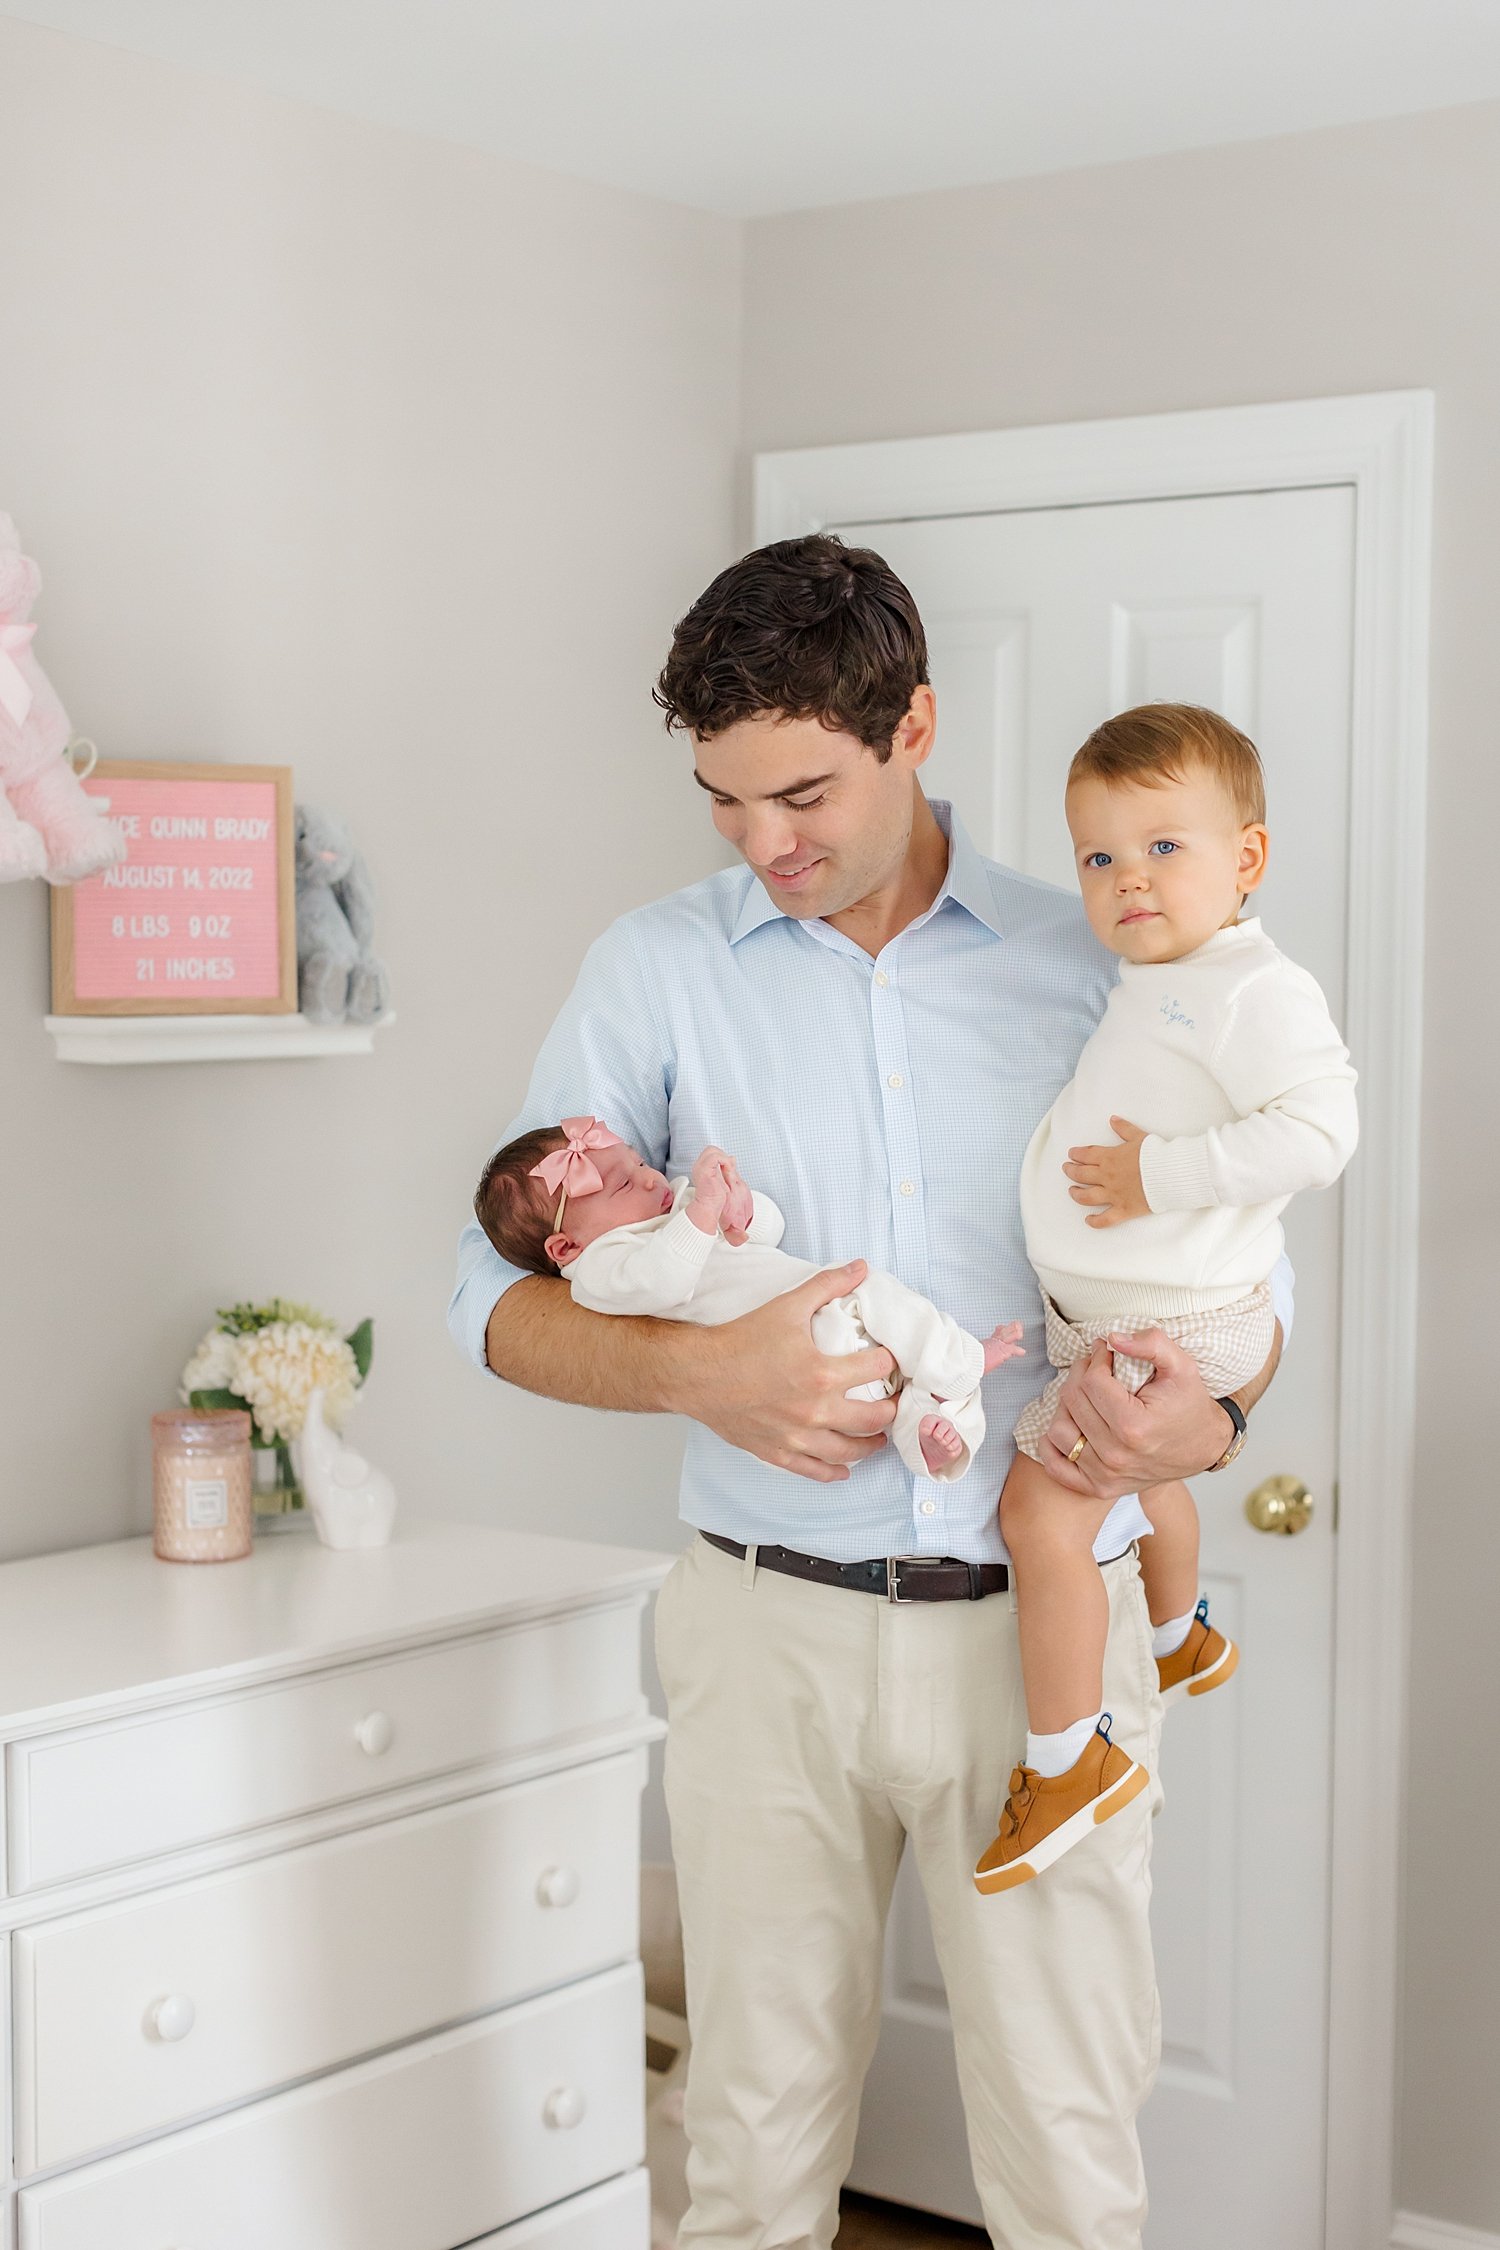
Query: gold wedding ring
(1078,1448)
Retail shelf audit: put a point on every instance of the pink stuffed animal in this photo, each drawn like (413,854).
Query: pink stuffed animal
(49,825)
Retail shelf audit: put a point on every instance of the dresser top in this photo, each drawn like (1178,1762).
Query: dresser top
(87,1629)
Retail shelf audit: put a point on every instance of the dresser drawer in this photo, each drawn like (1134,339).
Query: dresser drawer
(616,2216)
(297,1963)
(102,1796)
(418,2150)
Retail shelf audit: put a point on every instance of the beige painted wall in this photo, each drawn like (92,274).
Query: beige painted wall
(392,462)
(1354,260)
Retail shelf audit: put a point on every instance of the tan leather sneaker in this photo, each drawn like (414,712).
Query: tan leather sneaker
(1046,1816)
(1205,1660)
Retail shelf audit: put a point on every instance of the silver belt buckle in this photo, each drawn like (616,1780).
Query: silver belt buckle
(895,1564)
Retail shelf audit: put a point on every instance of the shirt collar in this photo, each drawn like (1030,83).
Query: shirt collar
(966,883)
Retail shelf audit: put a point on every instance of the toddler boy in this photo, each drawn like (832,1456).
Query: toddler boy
(1218,1072)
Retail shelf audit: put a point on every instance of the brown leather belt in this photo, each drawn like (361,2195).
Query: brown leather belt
(899,1578)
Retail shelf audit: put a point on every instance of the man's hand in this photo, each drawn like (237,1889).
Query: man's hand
(1110,1178)
(761,1384)
(1168,1429)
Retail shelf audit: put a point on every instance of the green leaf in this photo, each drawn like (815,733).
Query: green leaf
(218,1402)
(362,1343)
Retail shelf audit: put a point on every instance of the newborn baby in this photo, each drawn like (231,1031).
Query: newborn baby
(628,1240)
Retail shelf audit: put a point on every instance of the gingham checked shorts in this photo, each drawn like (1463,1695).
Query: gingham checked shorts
(1230,1344)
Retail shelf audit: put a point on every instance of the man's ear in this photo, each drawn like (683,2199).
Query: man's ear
(1255,847)
(914,737)
(561,1249)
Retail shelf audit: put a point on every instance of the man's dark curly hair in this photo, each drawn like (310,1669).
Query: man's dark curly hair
(808,628)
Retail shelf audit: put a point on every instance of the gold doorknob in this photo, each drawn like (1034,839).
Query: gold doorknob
(1280,1504)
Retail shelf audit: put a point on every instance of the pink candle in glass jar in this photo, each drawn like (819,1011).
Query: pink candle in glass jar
(201,1479)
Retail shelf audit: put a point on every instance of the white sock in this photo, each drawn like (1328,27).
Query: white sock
(1168,1638)
(1052,1754)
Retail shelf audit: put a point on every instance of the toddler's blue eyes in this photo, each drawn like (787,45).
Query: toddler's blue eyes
(1163,846)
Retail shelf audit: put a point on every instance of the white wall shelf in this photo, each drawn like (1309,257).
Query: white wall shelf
(179,1039)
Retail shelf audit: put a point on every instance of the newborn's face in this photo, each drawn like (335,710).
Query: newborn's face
(631,1191)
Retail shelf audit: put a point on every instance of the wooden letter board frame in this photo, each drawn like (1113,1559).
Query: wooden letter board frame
(65,1001)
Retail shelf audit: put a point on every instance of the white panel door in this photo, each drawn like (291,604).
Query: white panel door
(1041,624)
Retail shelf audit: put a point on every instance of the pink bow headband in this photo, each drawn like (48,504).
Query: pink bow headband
(568,1169)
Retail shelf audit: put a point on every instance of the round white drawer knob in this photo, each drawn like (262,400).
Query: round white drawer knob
(564,2108)
(557,1886)
(172,2018)
(375,1733)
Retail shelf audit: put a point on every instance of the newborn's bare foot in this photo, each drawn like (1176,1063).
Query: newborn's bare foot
(940,1442)
(1003,1345)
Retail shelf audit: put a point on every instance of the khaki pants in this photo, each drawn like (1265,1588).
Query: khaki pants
(812,1731)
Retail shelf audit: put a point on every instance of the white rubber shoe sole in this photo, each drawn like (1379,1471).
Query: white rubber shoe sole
(1200,1683)
(1073,1831)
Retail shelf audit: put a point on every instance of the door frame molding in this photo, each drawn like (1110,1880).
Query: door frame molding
(1381,445)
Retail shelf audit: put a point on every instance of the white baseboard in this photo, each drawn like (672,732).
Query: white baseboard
(1413,2232)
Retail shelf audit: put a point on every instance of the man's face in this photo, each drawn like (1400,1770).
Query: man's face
(815,814)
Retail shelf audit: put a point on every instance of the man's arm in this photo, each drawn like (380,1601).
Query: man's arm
(760,1382)
(605,1055)
(540,1340)
(1169,1429)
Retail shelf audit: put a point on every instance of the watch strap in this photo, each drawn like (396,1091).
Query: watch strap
(1236,1415)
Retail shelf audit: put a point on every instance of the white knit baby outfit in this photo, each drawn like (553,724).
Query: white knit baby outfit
(670,1267)
(1230,1059)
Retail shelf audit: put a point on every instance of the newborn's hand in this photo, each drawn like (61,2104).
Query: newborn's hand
(739,1207)
(1110,1178)
(710,1189)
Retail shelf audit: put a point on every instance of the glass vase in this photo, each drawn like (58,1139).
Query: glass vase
(279,1501)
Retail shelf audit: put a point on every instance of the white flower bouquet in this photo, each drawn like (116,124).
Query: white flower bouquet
(267,1360)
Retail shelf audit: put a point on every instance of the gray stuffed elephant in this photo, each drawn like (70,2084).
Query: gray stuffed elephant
(339,979)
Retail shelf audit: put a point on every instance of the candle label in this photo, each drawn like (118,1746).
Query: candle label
(207,1503)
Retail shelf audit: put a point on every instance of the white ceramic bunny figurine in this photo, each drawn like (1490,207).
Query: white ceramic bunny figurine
(353,1504)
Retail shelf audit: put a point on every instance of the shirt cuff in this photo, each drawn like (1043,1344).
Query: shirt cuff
(1175,1174)
(685,1240)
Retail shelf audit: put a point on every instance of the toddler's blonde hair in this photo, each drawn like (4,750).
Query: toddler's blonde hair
(1159,742)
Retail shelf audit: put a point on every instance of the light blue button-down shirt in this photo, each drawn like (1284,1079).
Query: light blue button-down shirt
(885,1105)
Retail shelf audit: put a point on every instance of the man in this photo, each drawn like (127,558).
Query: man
(873,1020)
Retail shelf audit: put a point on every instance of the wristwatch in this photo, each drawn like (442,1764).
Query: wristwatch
(1231,1452)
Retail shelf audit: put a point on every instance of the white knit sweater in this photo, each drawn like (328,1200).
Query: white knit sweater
(1230,1060)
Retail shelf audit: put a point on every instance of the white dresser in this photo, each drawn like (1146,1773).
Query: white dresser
(320,1897)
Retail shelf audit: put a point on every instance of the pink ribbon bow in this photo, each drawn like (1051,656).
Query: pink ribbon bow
(569,1169)
(15,688)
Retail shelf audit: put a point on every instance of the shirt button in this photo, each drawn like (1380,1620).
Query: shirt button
(896,1079)
(881,978)
(908,1187)
(929,1507)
